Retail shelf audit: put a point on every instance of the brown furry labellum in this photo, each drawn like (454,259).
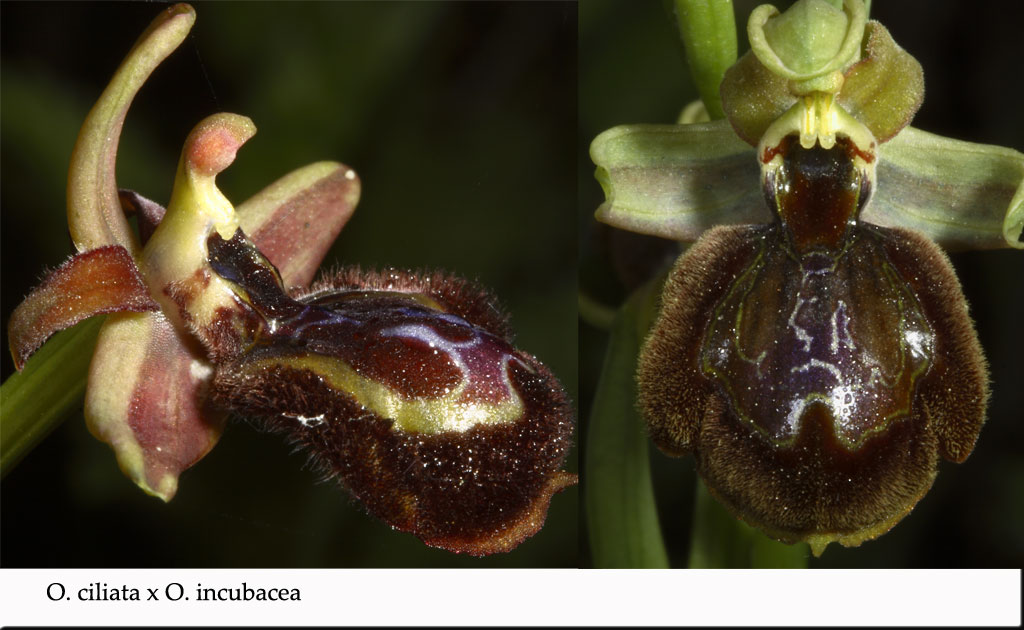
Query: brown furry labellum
(817,367)
(406,388)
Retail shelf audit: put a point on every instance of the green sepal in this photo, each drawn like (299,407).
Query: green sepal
(95,218)
(960,194)
(882,85)
(810,44)
(675,181)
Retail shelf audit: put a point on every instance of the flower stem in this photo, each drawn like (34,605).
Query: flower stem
(708,30)
(52,384)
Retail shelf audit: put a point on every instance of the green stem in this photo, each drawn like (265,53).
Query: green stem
(708,30)
(37,399)
(622,516)
(721,541)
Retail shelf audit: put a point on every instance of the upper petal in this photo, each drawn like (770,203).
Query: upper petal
(295,220)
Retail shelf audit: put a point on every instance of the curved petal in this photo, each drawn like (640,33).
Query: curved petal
(94,213)
(962,195)
(676,181)
(295,220)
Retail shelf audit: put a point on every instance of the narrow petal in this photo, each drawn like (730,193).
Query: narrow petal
(98,281)
(753,98)
(295,220)
(676,181)
(144,398)
(960,194)
(886,87)
(94,213)
(148,213)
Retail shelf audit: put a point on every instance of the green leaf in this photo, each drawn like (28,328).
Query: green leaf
(708,31)
(676,181)
(622,517)
(961,195)
(34,401)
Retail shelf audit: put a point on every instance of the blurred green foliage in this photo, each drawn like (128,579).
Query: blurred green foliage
(632,70)
(458,118)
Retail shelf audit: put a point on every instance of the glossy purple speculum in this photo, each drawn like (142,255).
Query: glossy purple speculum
(406,342)
(820,317)
(396,339)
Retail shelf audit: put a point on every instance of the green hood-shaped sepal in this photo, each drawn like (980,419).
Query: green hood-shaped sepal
(807,49)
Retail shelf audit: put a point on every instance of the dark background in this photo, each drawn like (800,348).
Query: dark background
(458,118)
(632,70)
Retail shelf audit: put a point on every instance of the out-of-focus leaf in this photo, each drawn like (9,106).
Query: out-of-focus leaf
(146,384)
(961,195)
(95,218)
(49,388)
(100,281)
(295,220)
(622,517)
(676,181)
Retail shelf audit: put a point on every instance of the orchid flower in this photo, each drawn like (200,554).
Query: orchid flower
(402,385)
(818,110)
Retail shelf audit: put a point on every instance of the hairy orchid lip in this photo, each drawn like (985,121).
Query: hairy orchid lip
(406,389)
(809,355)
(441,370)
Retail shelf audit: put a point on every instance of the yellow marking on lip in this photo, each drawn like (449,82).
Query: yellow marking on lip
(417,415)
